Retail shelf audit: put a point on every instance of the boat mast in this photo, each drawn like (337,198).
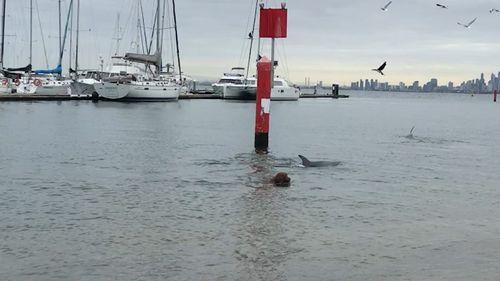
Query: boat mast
(77,36)
(162,29)
(117,38)
(70,10)
(3,33)
(177,41)
(138,38)
(60,43)
(158,43)
(251,39)
(31,31)
(70,45)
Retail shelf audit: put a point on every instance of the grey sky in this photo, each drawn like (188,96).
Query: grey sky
(333,41)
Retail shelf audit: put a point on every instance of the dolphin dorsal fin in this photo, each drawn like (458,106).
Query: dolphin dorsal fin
(305,161)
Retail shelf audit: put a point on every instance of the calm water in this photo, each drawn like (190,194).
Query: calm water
(173,191)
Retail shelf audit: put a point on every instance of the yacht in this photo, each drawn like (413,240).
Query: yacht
(132,84)
(248,90)
(235,76)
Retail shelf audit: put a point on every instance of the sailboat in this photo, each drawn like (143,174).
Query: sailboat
(51,81)
(40,82)
(146,86)
(6,82)
(81,86)
(13,78)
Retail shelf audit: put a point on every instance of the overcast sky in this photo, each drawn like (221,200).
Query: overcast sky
(332,41)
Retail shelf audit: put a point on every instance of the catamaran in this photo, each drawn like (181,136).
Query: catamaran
(281,91)
(240,86)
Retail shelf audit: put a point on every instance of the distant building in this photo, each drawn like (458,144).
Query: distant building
(415,87)
(402,86)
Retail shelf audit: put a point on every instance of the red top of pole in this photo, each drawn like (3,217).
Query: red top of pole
(273,23)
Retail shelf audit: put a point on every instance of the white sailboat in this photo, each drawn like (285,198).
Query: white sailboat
(51,82)
(147,85)
(6,83)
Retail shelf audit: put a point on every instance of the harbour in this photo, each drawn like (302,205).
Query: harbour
(174,191)
(169,140)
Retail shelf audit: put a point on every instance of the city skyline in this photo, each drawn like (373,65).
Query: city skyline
(334,44)
(482,84)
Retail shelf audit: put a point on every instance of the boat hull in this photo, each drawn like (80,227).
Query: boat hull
(285,94)
(51,87)
(218,90)
(79,88)
(239,92)
(153,92)
(236,92)
(112,91)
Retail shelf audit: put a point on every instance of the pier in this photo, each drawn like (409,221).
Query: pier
(198,95)
(24,97)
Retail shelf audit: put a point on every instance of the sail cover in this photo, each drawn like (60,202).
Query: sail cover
(11,75)
(57,70)
(21,69)
(146,59)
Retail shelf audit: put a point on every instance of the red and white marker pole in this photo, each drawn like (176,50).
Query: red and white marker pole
(273,24)
(263,105)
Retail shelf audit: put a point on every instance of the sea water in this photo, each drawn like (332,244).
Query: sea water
(174,191)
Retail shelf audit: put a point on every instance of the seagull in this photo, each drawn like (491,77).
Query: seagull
(442,6)
(467,25)
(380,68)
(386,6)
(494,10)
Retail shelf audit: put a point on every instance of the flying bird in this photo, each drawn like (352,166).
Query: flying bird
(442,6)
(380,68)
(494,10)
(386,6)
(467,25)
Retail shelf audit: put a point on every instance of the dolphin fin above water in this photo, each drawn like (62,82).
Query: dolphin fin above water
(307,163)
(410,136)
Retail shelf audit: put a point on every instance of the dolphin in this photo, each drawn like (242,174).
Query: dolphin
(307,163)
(410,136)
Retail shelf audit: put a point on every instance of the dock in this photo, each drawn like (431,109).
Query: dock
(196,95)
(330,96)
(25,97)
(205,96)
